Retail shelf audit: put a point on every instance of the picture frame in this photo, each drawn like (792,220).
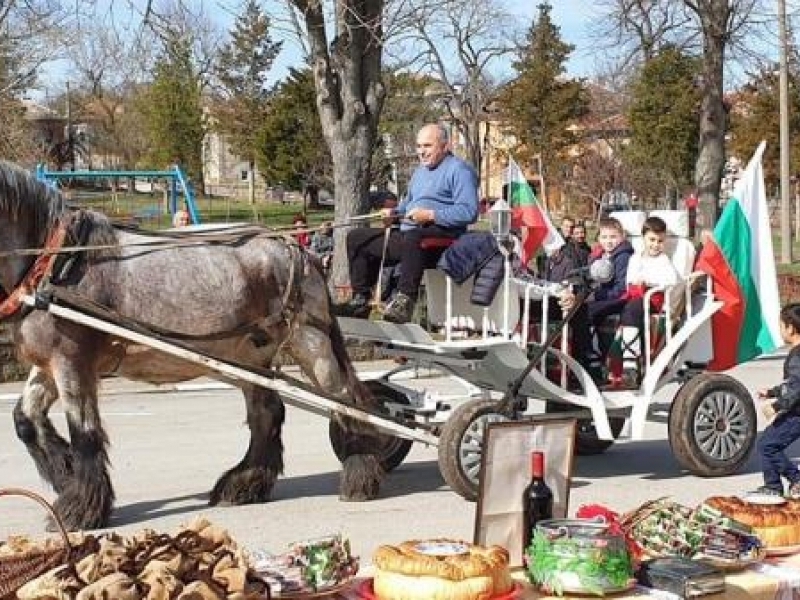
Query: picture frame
(505,473)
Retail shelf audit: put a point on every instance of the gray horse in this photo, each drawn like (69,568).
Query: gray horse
(241,298)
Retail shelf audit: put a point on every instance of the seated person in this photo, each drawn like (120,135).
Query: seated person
(561,266)
(442,200)
(579,238)
(322,244)
(301,224)
(646,269)
(609,297)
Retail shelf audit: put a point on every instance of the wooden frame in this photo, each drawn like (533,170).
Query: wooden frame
(505,472)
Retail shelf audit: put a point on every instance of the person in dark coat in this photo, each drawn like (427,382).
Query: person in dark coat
(609,298)
(781,404)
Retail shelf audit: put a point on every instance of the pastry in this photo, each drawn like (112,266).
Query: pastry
(775,524)
(441,569)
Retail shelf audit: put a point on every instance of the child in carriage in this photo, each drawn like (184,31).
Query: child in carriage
(646,269)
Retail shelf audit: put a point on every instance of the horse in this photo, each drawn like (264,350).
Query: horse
(241,299)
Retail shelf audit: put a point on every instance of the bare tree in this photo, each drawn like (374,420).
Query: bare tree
(458,42)
(345,46)
(719,30)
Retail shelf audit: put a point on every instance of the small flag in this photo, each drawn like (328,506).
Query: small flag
(528,215)
(740,261)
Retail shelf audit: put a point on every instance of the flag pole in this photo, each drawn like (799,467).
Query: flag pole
(541,181)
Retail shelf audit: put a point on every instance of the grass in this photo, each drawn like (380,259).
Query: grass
(148,211)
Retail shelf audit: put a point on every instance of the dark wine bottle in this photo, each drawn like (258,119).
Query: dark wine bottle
(537,500)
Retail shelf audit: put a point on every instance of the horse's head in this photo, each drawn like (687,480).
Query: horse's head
(28,210)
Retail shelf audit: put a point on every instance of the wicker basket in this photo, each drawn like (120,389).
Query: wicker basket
(19,569)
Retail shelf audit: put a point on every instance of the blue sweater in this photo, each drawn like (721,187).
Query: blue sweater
(450,189)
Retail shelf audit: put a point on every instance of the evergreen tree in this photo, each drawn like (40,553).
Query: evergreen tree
(756,117)
(538,107)
(242,70)
(173,111)
(290,147)
(664,120)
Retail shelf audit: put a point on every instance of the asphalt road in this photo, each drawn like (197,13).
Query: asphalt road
(169,447)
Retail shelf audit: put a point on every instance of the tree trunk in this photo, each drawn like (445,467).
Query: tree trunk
(713,117)
(350,94)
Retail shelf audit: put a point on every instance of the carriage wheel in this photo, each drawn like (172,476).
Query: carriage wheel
(393,449)
(712,425)
(461,445)
(586,441)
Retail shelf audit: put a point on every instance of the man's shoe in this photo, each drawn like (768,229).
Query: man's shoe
(400,310)
(767,491)
(358,307)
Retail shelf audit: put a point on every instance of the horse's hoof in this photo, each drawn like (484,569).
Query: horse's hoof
(79,514)
(361,478)
(247,486)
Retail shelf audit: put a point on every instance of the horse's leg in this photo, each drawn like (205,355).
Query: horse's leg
(50,452)
(251,481)
(87,498)
(323,358)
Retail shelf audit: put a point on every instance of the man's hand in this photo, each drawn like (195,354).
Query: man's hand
(768,411)
(566,300)
(420,216)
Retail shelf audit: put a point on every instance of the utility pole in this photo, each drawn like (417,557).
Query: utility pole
(786,207)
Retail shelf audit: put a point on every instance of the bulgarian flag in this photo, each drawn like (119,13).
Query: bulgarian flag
(528,215)
(740,261)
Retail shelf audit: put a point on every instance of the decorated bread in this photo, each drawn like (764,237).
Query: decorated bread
(775,524)
(440,569)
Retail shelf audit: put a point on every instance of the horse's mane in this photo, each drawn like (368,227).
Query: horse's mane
(21,194)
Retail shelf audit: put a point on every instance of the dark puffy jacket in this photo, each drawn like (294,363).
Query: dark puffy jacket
(475,253)
(563,263)
(614,289)
(787,393)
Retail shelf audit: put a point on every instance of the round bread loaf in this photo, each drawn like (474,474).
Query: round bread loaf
(440,569)
(775,524)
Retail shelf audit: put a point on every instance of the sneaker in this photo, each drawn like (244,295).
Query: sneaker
(358,307)
(765,490)
(793,493)
(400,310)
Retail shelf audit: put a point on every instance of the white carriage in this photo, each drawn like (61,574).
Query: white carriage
(712,420)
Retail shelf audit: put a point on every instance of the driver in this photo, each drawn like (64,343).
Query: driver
(442,201)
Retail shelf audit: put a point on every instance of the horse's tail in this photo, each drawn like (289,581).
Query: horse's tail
(361,393)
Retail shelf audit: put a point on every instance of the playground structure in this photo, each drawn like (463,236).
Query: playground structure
(176,179)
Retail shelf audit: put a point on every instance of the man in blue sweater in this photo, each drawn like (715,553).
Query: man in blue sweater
(442,200)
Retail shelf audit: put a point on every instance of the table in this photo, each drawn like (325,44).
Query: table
(774,579)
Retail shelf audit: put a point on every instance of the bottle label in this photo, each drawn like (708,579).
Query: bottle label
(441,548)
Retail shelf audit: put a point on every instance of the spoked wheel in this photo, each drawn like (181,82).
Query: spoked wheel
(712,425)
(586,441)
(461,445)
(393,449)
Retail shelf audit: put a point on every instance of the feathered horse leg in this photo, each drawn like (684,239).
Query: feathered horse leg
(323,357)
(87,498)
(252,480)
(50,452)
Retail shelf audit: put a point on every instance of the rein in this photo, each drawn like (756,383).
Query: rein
(41,268)
(192,238)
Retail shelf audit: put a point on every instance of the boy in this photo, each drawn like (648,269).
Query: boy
(781,404)
(608,297)
(646,269)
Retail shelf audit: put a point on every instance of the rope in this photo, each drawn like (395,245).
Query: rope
(193,238)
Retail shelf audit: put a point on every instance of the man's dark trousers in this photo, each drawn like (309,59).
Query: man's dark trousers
(365,249)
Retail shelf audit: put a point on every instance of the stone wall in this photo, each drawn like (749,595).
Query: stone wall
(10,368)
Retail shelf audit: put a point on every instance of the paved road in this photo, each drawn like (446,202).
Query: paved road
(169,448)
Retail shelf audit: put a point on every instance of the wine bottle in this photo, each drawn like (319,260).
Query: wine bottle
(537,500)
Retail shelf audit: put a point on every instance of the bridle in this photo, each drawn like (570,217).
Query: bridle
(11,302)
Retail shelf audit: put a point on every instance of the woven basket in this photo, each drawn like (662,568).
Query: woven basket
(17,570)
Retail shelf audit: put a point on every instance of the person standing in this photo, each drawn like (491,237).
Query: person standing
(781,404)
(442,201)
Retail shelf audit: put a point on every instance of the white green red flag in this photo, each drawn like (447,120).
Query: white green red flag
(741,263)
(529,216)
